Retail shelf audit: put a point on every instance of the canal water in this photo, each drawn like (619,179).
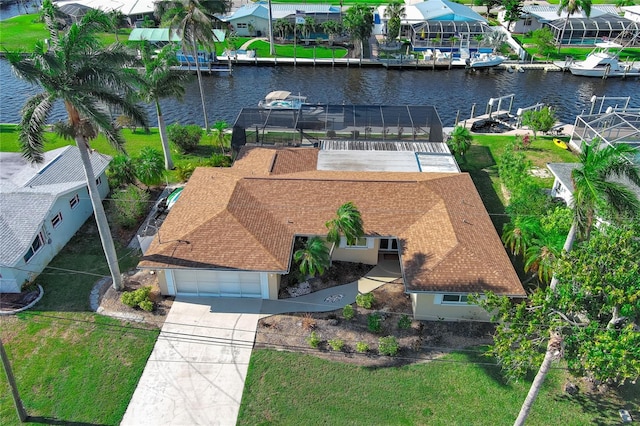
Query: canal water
(452,92)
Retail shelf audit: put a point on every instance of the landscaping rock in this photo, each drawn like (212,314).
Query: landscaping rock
(570,388)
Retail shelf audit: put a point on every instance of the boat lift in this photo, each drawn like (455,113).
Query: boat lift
(611,108)
(492,102)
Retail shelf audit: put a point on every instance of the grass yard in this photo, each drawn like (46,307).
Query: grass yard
(578,53)
(73,366)
(301,51)
(459,389)
(135,142)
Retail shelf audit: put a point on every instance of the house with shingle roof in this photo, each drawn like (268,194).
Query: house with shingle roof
(41,208)
(232,231)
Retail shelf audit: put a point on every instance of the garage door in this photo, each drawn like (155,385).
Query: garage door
(217,283)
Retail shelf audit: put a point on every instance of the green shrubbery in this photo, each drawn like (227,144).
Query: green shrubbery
(348,312)
(362,347)
(374,322)
(314,340)
(388,346)
(138,299)
(336,344)
(404,323)
(129,205)
(365,300)
(186,138)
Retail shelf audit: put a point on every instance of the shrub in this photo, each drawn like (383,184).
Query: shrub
(184,171)
(365,300)
(374,322)
(308,322)
(348,312)
(388,346)
(186,138)
(219,160)
(404,322)
(123,121)
(314,340)
(336,344)
(129,205)
(138,298)
(149,166)
(121,172)
(362,347)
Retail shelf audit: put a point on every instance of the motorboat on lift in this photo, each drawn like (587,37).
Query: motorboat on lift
(602,62)
(281,99)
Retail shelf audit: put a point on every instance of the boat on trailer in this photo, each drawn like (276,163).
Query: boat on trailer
(281,99)
(602,62)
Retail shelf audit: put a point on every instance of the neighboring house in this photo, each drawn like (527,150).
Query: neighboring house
(632,12)
(252,20)
(603,23)
(563,184)
(133,10)
(41,208)
(231,233)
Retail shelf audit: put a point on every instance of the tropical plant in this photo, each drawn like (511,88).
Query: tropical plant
(159,82)
(572,7)
(543,41)
(117,19)
(460,141)
(539,120)
(313,257)
(149,166)
(332,28)
(374,322)
(365,300)
(121,171)
(314,340)
(138,298)
(75,68)
(358,22)
(336,344)
(362,347)
(218,133)
(186,138)
(394,13)
(283,27)
(129,205)
(348,312)
(191,19)
(388,346)
(309,26)
(347,223)
(513,9)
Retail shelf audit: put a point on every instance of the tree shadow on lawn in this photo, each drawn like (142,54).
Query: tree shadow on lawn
(51,421)
(605,407)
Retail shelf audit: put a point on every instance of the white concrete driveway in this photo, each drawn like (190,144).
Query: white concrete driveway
(196,372)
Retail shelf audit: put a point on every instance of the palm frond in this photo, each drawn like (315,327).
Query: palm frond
(34,117)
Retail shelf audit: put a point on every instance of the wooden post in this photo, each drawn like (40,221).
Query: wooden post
(22,414)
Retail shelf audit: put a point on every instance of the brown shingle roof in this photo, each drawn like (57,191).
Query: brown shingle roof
(243,219)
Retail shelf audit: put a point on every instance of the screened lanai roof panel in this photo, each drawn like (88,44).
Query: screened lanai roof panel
(614,22)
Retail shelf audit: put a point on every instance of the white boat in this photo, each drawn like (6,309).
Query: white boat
(601,62)
(483,60)
(281,99)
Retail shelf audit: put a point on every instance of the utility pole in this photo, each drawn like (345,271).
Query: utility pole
(22,414)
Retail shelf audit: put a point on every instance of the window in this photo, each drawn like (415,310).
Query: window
(99,181)
(451,299)
(359,242)
(74,201)
(527,22)
(241,25)
(35,246)
(57,220)
(388,244)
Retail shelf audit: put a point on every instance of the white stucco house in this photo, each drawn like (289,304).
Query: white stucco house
(232,232)
(41,208)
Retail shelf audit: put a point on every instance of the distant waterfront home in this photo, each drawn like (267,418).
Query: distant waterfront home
(134,11)
(604,23)
(41,208)
(232,232)
(252,20)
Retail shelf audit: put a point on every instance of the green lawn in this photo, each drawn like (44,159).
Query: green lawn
(459,389)
(301,51)
(72,365)
(135,141)
(578,53)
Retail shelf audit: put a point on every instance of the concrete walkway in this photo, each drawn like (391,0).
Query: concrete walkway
(197,369)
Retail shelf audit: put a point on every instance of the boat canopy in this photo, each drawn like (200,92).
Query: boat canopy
(281,95)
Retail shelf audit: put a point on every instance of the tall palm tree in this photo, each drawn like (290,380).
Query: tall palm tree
(192,19)
(86,77)
(218,133)
(394,14)
(347,223)
(160,81)
(358,22)
(571,7)
(313,257)
(593,194)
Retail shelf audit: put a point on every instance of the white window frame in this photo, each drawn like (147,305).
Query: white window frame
(368,244)
(462,299)
(56,220)
(40,242)
(74,201)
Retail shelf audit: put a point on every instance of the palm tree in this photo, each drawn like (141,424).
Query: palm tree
(394,14)
(313,257)
(192,21)
(593,194)
(159,82)
(219,128)
(358,22)
(117,18)
(460,141)
(347,223)
(571,7)
(86,77)
(518,235)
